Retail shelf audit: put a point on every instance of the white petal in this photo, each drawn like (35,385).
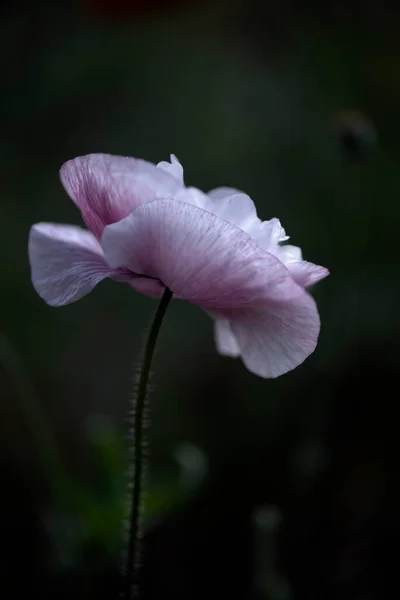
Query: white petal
(237,209)
(174,167)
(269,234)
(192,195)
(288,254)
(222,192)
(224,339)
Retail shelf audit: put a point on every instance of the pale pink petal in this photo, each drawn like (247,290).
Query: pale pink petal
(306,273)
(278,336)
(107,188)
(225,341)
(174,167)
(200,257)
(145,285)
(67,262)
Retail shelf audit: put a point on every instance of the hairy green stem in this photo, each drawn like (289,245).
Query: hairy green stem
(131,587)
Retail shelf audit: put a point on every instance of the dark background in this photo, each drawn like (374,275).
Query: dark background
(265,490)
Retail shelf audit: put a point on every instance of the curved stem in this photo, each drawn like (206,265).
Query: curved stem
(131,579)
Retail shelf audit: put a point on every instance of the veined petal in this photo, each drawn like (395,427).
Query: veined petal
(305,273)
(199,256)
(67,262)
(107,188)
(276,337)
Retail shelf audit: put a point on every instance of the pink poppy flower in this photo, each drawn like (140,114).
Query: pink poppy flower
(145,227)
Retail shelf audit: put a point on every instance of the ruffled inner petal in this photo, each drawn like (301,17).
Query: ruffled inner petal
(174,167)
